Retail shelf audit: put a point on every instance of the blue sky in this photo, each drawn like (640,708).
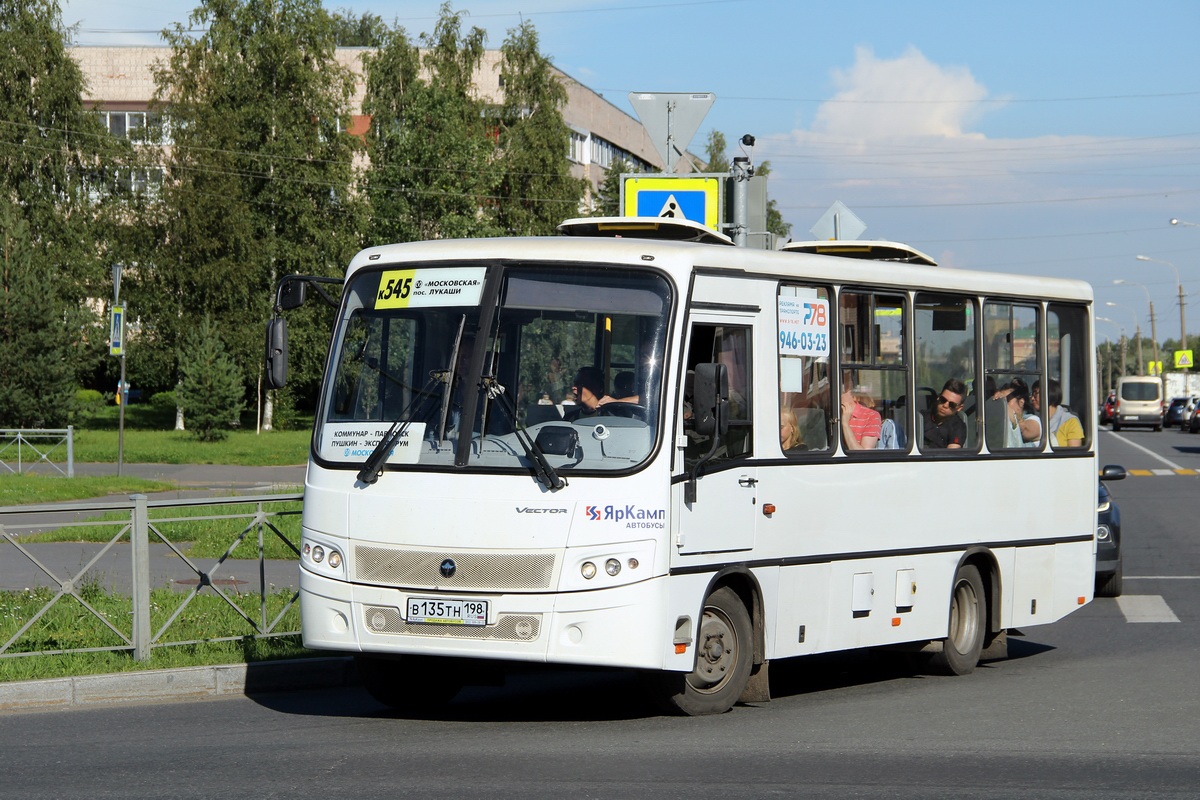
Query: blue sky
(1048,138)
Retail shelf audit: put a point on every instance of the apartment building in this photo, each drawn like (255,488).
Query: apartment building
(120,84)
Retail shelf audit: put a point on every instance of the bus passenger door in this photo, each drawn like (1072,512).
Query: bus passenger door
(721,517)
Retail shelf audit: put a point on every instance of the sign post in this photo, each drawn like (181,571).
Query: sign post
(116,347)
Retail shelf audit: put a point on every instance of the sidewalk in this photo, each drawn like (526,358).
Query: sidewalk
(208,477)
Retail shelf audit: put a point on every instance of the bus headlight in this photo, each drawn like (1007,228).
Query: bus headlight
(322,558)
(602,566)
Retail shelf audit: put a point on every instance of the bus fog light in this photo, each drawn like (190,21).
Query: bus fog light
(633,563)
(335,559)
(588,570)
(612,567)
(318,553)
(307,548)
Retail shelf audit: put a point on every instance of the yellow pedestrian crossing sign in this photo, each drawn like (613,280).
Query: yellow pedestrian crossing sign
(1154,368)
(1183,359)
(697,199)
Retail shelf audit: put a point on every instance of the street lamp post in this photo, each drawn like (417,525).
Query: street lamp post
(1182,324)
(1153,326)
(1137,336)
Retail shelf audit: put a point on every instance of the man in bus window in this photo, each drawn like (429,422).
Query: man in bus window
(942,427)
(588,388)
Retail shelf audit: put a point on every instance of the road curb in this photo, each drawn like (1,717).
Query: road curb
(176,685)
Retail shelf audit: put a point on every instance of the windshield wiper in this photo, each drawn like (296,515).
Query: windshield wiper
(373,467)
(542,470)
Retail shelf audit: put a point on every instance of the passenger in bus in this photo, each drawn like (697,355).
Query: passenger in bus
(942,427)
(1022,428)
(791,440)
(1066,429)
(588,388)
(860,422)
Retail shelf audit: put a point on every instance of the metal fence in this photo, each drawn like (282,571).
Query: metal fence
(148,548)
(32,448)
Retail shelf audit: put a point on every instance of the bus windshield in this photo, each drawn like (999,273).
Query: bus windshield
(567,359)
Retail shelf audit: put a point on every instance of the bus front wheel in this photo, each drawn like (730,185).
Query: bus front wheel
(963,645)
(724,652)
(410,683)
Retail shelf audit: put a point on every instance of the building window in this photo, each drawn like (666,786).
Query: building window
(578,151)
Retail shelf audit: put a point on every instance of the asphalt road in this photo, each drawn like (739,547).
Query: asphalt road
(1103,704)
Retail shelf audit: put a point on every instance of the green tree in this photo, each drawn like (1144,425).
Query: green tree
(608,194)
(210,384)
(368,30)
(775,223)
(432,170)
(35,342)
(260,176)
(537,191)
(714,152)
(52,151)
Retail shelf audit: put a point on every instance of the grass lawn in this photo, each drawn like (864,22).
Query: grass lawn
(151,438)
(19,490)
(67,626)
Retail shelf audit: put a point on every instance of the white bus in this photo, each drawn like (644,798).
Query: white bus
(565,450)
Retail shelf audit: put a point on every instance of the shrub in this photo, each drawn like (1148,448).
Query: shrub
(88,404)
(164,400)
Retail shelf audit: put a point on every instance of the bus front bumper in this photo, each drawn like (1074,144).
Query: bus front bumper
(624,626)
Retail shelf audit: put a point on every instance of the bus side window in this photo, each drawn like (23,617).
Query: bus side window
(1067,338)
(946,334)
(874,377)
(1012,377)
(805,391)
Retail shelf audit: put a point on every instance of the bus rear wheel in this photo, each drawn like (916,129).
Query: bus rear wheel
(963,645)
(724,652)
(410,683)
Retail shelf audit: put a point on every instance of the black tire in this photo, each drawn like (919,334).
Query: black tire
(724,655)
(410,683)
(968,625)
(1111,584)
(1115,427)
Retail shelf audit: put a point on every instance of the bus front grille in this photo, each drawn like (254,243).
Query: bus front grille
(508,627)
(394,566)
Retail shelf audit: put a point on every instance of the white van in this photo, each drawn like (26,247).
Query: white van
(1139,402)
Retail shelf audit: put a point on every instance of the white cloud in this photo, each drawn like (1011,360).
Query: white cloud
(901,97)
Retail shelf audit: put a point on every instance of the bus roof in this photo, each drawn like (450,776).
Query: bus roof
(873,250)
(644,245)
(659,228)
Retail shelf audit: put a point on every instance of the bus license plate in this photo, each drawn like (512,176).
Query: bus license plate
(446,611)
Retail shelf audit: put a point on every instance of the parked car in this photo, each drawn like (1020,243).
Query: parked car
(1178,411)
(1193,423)
(1109,573)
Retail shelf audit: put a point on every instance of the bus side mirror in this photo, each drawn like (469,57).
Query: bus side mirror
(276,353)
(292,294)
(710,400)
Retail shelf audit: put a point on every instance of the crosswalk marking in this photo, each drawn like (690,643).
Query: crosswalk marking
(1158,473)
(1145,608)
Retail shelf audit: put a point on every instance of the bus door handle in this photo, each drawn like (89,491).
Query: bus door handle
(747,482)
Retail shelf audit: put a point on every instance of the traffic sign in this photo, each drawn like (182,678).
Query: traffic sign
(671,119)
(838,222)
(697,199)
(1183,359)
(116,341)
